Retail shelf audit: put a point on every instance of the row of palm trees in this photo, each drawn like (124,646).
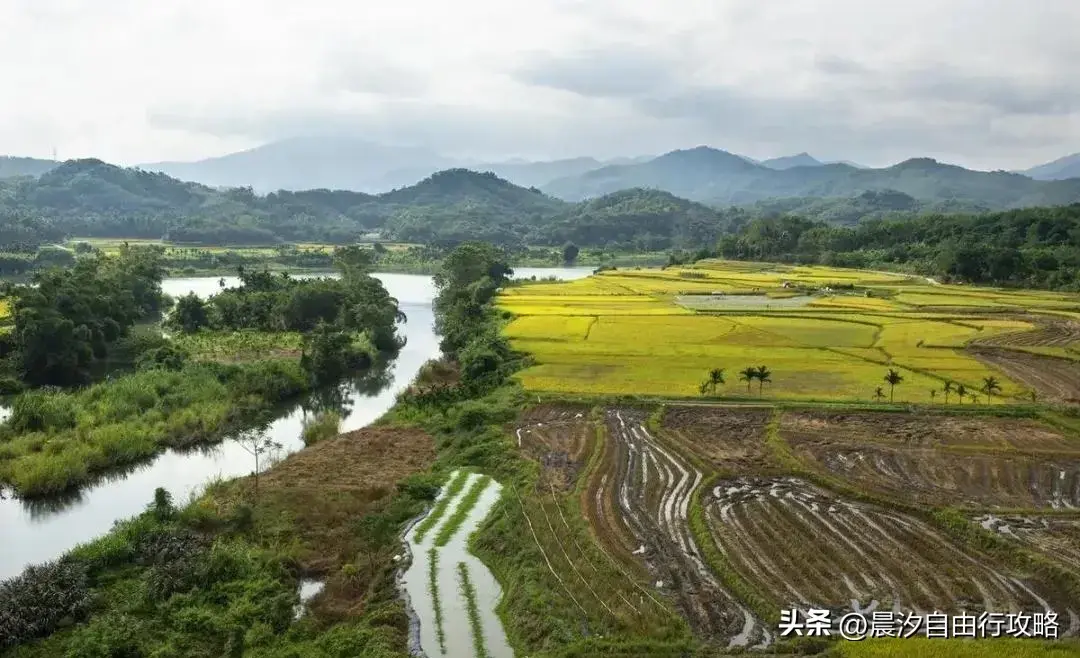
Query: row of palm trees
(991,385)
(761,374)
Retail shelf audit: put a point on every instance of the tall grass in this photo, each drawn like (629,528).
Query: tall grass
(468,501)
(437,512)
(325,425)
(56,440)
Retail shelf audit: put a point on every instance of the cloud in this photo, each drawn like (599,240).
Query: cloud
(986,83)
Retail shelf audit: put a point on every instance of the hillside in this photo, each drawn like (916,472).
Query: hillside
(10,167)
(717,177)
(789,161)
(306,163)
(646,220)
(1060,169)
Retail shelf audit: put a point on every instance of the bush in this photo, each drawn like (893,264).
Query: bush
(10,386)
(35,603)
(323,426)
(40,411)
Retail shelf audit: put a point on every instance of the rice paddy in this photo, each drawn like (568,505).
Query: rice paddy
(728,514)
(824,333)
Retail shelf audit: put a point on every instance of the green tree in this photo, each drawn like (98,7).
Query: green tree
(704,388)
(892,378)
(570,253)
(190,314)
(716,376)
(933,394)
(990,386)
(961,391)
(262,449)
(748,375)
(879,394)
(764,376)
(948,388)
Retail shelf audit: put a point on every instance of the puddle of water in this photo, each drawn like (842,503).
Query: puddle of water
(724,302)
(306,590)
(455,621)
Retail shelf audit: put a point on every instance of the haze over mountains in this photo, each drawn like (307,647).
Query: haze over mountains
(702,174)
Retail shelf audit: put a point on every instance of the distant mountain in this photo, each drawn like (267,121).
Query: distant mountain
(535,174)
(712,176)
(304,163)
(11,167)
(789,161)
(1060,169)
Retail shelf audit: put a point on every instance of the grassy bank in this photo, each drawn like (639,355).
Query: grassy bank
(55,440)
(219,576)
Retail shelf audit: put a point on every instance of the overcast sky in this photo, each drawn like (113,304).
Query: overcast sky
(983,83)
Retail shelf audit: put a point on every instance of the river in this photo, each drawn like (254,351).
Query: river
(42,530)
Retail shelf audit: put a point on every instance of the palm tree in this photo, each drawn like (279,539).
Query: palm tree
(990,386)
(748,375)
(961,391)
(704,388)
(948,388)
(1034,396)
(933,394)
(763,377)
(974,397)
(892,378)
(716,376)
(879,394)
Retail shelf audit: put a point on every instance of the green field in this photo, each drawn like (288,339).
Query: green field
(824,333)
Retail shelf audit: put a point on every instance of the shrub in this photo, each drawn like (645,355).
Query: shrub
(39,411)
(35,603)
(323,426)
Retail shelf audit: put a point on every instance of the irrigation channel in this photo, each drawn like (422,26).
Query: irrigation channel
(451,594)
(39,530)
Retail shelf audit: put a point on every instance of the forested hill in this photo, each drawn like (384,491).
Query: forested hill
(12,167)
(1032,247)
(93,199)
(717,177)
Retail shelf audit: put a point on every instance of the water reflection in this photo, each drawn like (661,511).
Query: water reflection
(37,531)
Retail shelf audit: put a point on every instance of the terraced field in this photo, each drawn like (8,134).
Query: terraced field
(637,478)
(976,462)
(638,503)
(824,333)
(805,547)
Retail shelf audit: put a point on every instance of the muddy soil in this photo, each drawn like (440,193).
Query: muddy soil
(561,438)
(642,495)
(938,460)
(1056,538)
(806,547)
(728,438)
(1052,378)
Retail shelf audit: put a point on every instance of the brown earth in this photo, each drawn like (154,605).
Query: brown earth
(1054,379)
(561,438)
(314,499)
(727,437)
(1058,538)
(637,501)
(941,460)
(805,547)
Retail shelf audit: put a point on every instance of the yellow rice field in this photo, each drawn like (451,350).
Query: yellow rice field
(622,332)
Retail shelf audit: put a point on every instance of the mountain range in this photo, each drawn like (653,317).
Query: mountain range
(1062,168)
(702,174)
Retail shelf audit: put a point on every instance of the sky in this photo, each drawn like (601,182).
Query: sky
(988,84)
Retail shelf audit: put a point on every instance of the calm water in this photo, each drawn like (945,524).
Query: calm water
(43,530)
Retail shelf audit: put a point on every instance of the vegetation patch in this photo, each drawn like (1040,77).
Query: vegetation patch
(461,510)
(468,592)
(436,599)
(453,488)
